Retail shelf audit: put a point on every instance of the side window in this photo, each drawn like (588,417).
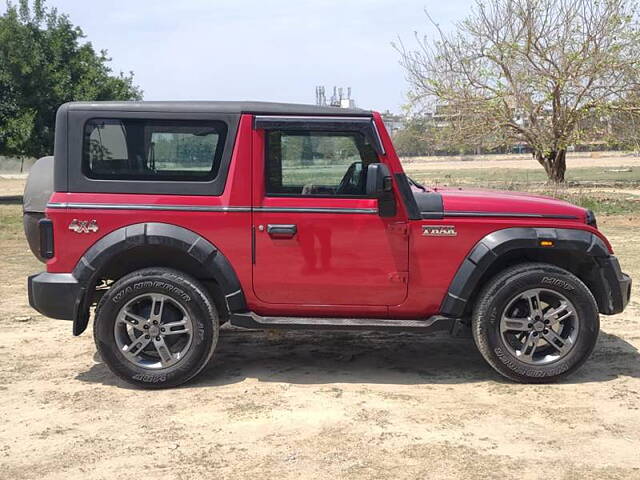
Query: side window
(133,149)
(317,163)
(107,142)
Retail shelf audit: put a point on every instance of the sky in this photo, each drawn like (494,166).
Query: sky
(276,50)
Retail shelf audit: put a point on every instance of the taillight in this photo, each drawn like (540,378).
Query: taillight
(46,238)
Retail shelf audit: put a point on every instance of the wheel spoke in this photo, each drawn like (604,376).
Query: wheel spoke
(529,346)
(166,357)
(176,328)
(556,341)
(558,314)
(534,304)
(136,346)
(515,324)
(136,321)
(157,305)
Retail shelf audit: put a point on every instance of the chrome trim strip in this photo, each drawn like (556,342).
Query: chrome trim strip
(140,206)
(507,214)
(204,208)
(369,211)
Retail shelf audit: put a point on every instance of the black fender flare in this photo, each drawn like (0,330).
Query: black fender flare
(163,234)
(490,248)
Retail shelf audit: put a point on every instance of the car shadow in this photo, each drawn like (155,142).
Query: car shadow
(368,357)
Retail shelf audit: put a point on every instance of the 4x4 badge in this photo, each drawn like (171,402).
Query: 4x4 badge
(439,231)
(83,226)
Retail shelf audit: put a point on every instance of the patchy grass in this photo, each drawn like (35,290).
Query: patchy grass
(606,191)
(10,222)
(512,178)
(601,202)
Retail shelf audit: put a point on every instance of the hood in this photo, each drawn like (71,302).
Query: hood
(503,203)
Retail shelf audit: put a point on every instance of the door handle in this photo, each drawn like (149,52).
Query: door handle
(282,231)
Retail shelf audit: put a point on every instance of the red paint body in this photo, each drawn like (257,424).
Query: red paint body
(338,265)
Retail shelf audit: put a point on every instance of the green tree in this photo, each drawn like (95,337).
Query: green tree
(530,71)
(45,62)
(416,137)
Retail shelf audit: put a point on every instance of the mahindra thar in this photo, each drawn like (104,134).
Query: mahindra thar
(168,219)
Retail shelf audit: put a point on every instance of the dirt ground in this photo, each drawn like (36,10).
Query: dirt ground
(312,405)
(12,184)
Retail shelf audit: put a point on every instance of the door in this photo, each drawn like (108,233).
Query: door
(318,238)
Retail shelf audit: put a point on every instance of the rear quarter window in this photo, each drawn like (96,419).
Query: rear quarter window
(137,149)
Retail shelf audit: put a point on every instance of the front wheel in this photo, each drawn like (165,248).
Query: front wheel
(535,323)
(156,328)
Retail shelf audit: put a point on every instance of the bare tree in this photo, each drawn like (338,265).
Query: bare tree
(528,71)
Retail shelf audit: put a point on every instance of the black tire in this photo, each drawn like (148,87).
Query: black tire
(500,293)
(182,292)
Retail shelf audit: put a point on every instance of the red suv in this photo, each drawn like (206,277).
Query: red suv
(171,218)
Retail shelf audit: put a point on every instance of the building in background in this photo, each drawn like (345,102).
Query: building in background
(338,98)
(393,122)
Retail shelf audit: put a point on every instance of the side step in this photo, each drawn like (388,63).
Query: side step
(251,320)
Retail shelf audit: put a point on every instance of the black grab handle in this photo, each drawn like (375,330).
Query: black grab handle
(282,231)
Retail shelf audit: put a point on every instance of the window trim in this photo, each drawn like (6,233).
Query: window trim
(345,132)
(216,164)
(364,125)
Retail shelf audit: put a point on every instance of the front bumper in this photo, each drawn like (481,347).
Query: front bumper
(55,295)
(617,286)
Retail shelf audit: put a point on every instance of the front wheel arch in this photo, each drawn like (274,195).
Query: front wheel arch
(575,250)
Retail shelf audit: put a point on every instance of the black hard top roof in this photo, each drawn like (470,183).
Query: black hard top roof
(261,108)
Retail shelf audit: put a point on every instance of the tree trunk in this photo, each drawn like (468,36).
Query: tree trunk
(554,163)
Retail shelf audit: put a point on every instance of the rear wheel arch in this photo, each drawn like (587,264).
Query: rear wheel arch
(574,250)
(144,245)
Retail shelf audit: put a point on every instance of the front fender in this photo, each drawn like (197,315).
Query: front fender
(502,242)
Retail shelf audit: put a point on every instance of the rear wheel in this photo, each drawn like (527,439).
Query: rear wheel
(535,323)
(156,328)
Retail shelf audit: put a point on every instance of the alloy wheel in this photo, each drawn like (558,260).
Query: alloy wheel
(539,326)
(153,331)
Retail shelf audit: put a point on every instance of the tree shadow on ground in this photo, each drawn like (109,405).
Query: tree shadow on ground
(375,357)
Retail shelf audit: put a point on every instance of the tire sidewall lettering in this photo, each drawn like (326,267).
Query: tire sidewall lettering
(149,378)
(557,283)
(150,284)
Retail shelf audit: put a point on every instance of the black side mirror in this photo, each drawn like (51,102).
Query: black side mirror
(380,186)
(378,180)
